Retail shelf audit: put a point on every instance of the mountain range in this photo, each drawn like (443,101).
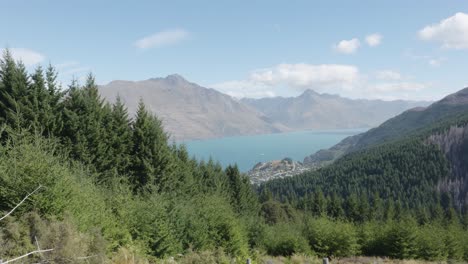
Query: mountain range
(404,124)
(190,111)
(312,110)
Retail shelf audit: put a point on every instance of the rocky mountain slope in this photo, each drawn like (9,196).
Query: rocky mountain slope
(312,110)
(189,111)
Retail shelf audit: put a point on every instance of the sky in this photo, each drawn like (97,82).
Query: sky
(415,50)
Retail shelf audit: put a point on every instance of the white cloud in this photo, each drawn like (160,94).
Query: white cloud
(451,32)
(27,56)
(275,80)
(347,46)
(374,40)
(388,75)
(346,80)
(162,38)
(303,75)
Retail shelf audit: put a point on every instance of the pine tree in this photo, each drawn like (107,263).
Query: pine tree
(377,211)
(13,92)
(352,208)
(265,195)
(53,121)
(389,214)
(363,208)
(44,111)
(242,196)
(319,204)
(119,138)
(335,208)
(152,161)
(84,130)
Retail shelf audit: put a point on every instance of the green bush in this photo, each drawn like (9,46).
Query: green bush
(371,238)
(285,240)
(332,238)
(151,228)
(400,240)
(208,223)
(430,243)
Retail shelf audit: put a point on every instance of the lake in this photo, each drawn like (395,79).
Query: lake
(247,151)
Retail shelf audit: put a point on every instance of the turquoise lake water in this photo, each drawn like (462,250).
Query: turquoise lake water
(247,151)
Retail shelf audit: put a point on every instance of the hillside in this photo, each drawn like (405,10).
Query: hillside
(416,158)
(312,110)
(394,128)
(189,111)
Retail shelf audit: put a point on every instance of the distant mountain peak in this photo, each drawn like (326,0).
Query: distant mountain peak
(309,92)
(171,78)
(175,77)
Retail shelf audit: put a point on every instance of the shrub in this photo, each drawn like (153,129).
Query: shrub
(430,243)
(400,239)
(332,238)
(285,240)
(209,223)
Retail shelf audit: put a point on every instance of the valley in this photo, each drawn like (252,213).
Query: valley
(230,132)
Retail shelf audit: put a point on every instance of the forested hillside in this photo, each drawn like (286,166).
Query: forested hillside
(403,125)
(112,189)
(420,178)
(409,170)
(110,184)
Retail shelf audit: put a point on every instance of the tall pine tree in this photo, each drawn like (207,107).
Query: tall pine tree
(152,163)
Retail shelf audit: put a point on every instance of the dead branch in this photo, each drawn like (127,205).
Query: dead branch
(22,201)
(25,255)
(87,257)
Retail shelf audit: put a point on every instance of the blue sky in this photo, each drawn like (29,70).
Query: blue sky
(360,49)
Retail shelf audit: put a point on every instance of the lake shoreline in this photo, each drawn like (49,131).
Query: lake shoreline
(246,151)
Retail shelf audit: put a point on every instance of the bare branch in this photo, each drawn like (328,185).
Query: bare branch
(28,254)
(38,247)
(87,257)
(22,201)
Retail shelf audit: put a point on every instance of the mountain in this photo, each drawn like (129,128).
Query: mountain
(416,159)
(312,110)
(394,128)
(189,111)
